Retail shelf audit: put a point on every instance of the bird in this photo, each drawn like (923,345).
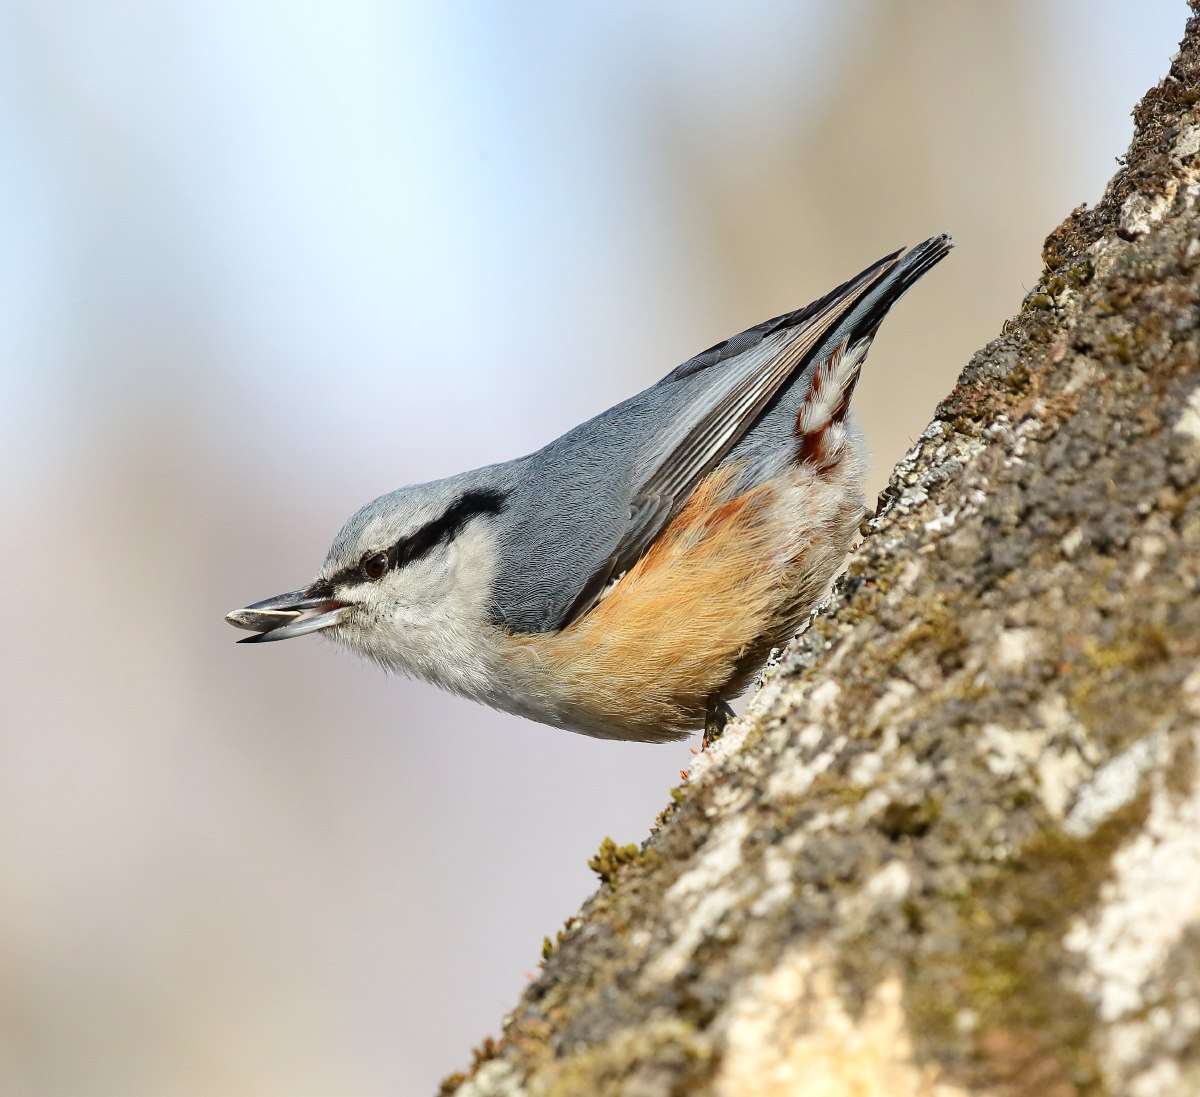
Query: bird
(627,580)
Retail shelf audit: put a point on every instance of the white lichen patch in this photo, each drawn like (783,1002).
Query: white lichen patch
(1153,897)
(942,521)
(775,696)
(1053,755)
(1188,142)
(788,1032)
(1060,723)
(495,1078)
(1060,771)
(1114,785)
(1068,758)
(805,754)
(1140,212)
(1084,372)
(1191,692)
(1017,438)
(1148,550)
(700,898)
(865,769)
(895,697)
(1015,647)
(1010,752)
(1069,545)
(779,864)
(889,885)
(725,798)
(794,775)
(822,699)
(1188,422)
(1151,900)
(911,575)
(937,455)
(1166,1078)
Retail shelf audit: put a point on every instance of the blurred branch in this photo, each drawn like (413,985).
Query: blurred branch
(954,846)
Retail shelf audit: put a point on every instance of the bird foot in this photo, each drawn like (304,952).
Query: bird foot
(716,715)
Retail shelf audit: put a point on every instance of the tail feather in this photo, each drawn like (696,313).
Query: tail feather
(864,319)
(822,437)
(839,360)
(833,380)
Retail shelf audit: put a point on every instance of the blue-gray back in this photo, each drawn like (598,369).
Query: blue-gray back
(585,507)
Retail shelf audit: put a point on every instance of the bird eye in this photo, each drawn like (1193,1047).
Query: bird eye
(374,565)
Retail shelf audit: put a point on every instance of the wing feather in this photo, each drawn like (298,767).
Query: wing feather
(718,427)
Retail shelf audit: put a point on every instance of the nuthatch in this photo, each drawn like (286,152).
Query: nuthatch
(631,576)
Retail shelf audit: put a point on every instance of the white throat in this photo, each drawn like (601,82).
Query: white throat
(433,622)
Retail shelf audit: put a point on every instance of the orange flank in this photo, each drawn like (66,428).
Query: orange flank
(695,617)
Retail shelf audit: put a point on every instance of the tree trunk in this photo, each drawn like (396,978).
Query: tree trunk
(954,847)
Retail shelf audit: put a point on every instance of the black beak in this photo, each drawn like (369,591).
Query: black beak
(288,615)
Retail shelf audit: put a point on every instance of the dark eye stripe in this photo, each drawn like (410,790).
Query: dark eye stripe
(446,528)
(441,530)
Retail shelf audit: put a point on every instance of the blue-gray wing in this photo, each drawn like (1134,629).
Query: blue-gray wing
(607,489)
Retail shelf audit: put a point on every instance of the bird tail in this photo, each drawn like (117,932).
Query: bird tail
(863,320)
(841,354)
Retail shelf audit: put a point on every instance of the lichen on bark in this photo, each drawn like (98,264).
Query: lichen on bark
(954,846)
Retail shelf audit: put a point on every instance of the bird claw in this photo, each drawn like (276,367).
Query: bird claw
(716,716)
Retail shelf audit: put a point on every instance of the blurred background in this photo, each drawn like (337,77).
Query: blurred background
(264,262)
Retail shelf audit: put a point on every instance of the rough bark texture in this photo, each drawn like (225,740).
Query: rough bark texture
(955,846)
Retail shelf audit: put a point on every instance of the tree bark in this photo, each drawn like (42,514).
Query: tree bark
(954,846)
